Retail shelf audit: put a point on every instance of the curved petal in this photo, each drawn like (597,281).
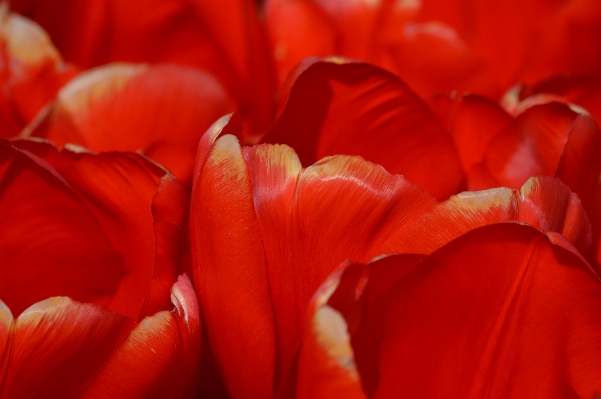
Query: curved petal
(57,346)
(127,194)
(498,313)
(312,219)
(223,38)
(31,73)
(358,109)
(432,58)
(229,268)
(159,358)
(160,111)
(473,121)
(52,243)
(298,29)
(544,203)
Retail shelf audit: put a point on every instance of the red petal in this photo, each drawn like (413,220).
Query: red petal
(532,145)
(311,220)
(432,58)
(57,346)
(229,268)
(223,38)
(580,164)
(358,109)
(53,244)
(159,358)
(543,202)
(128,195)
(327,366)
(161,111)
(298,29)
(32,71)
(472,121)
(497,313)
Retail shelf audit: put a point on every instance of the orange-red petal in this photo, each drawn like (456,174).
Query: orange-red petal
(498,313)
(358,109)
(160,111)
(52,244)
(159,358)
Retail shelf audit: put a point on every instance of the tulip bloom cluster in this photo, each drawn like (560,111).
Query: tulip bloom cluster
(300,199)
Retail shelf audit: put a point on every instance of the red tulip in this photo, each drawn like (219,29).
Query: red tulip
(224,38)
(91,252)
(500,312)
(31,71)
(265,232)
(467,45)
(160,111)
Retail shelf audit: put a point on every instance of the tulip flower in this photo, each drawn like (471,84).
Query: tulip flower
(466,45)
(265,232)
(223,38)
(91,252)
(336,106)
(160,111)
(500,312)
(31,71)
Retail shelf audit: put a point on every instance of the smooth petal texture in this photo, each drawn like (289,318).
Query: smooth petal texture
(298,29)
(583,91)
(306,231)
(57,346)
(276,214)
(229,268)
(159,358)
(544,39)
(160,111)
(357,109)
(432,58)
(52,243)
(223,38)
(543,202)
(498,313)
(140,207)
(120,189)
(548,139)
(31,71)
(473,121)
(327,366)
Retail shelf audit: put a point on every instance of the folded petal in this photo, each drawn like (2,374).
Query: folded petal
(32,71)
(57,346)
(160,111)
(52,243)
(160,356)
(473,121)
(498,313)
(547,139)
(223,38)
(121,190)
(357,109)
(339,208)
(229,269)
(543,202)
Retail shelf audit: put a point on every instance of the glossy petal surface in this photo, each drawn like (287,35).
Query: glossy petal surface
(357,109)
(52,243)
(160,111)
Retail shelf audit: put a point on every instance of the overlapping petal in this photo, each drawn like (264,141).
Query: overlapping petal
(160,111)
(106,229)
(354,108)
(224,38)
(265,232)
(500,312)
(31,71)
